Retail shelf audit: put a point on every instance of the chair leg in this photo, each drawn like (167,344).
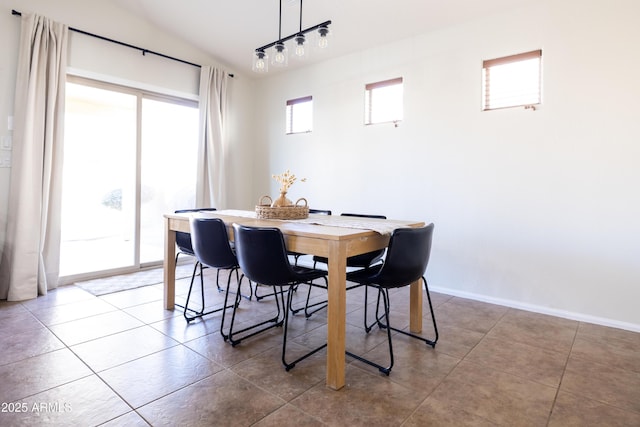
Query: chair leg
(379,317)
(433,316)
(201,287)
(200,313)
(217,280)
(323,304)
(275,321)
(248,297)
(384,369)
(290,365)
(226,298)
(192,276)
(176,264)
(186,304)
(368,328)
(386,302)
(307,306)
(259,297)
(250,285)
(386,325)
(427,341)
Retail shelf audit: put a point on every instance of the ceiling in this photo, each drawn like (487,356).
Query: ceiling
(231,30)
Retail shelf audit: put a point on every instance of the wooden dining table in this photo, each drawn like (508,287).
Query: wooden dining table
(335,242)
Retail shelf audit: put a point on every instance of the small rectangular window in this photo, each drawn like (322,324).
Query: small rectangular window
(383,101)
(512,81)
(299,115)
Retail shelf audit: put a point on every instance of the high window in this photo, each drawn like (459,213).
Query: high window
(299,115)
(512,81)
(383,101)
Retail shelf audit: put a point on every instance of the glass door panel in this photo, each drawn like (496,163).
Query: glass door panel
(168,169)
(99,181)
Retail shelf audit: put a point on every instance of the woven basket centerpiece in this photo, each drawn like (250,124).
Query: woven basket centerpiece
(282,208)
(266,210)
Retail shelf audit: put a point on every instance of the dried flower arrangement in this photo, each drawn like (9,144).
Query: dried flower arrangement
(286,180)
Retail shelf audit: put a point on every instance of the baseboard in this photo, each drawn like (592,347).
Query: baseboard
(539,309)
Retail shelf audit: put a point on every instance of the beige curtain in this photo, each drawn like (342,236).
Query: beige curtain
(31,253)
(210,187)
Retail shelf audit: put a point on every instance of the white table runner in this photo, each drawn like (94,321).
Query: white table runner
(361,223)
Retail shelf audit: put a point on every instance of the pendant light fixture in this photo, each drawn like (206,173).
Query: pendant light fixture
(300,51)
(280,54)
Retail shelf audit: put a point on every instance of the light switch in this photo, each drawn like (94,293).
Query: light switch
(10,123)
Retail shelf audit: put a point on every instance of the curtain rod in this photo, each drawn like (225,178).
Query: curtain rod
(144,51)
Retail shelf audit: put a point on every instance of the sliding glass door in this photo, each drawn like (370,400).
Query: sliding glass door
(129,158)
(168,179)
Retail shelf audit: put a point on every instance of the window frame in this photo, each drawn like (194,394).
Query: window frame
(290,114)
(369,100)
(505,60)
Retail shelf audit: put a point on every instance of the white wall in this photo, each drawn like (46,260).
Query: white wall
(533,209)
(91,57)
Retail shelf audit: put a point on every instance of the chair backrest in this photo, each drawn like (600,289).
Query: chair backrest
(262,254)
(365,215)
(320,211)
(183,240)
(211,243)
(407,257)
(365,260)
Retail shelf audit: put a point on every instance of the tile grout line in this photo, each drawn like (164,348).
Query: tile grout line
(564,370)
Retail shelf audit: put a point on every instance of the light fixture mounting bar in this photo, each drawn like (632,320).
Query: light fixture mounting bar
(284,39)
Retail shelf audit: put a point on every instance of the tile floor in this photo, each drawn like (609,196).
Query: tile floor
(70,358)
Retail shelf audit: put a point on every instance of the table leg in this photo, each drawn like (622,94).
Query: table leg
(336,315)
(415,307)
(169,266)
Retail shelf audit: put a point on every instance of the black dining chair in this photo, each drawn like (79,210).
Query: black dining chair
(362,261)
(185,247)
(211,247)
(297,255)
(320,211)
(262,256)
(406,262)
